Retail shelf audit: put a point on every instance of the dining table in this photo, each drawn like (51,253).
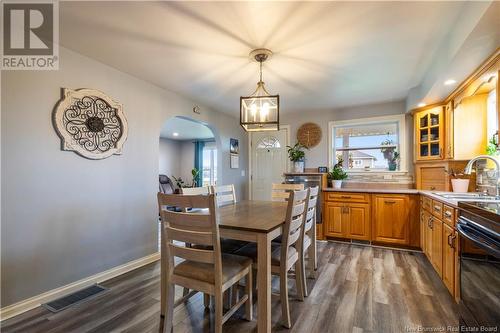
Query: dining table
(259,222)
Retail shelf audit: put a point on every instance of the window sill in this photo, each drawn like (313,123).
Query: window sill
(376,172)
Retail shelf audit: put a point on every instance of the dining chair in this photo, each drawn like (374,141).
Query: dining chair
(285,256)
(195,190)
(281,192)
(224,194)
(308,238)
(202,270)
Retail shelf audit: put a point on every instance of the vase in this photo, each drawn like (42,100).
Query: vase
(337,184)
(298,166)
(460,185)
(393,166)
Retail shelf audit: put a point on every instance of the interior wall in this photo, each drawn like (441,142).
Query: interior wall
(169,163)
(65,217)
(318,156)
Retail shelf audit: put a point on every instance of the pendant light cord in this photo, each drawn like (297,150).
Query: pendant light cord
(260,71)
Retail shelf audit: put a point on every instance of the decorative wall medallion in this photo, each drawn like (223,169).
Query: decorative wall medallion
(309,135)
(90,123)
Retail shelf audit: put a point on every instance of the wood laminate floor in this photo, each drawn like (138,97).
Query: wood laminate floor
(357,289)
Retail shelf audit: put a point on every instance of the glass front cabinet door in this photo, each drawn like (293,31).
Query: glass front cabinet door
(429,134)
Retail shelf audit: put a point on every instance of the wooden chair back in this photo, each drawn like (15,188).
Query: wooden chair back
(224,194)
(204,190)
(311,209)
(295,217)
(281,192)
(197,226)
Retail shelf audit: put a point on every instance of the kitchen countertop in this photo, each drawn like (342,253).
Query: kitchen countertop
(431,194)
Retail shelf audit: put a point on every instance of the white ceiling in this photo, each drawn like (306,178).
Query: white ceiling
(327,54)
(187,130)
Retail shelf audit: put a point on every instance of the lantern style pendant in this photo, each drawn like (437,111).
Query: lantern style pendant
(260,110)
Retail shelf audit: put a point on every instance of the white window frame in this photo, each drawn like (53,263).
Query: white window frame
(403,163)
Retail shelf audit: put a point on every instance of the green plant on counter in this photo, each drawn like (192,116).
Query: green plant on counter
(296,153)
(195,173)
(491,147)
(337,172)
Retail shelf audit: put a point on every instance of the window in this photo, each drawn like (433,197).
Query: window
(371,144)
(268,142)
(209,172)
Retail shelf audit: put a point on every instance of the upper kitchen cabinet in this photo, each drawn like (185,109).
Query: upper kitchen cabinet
(460,127)
(429,130)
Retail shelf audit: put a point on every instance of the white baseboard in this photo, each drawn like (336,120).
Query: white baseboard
(35,301)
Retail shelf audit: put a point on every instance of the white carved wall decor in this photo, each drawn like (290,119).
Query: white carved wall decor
(90,123)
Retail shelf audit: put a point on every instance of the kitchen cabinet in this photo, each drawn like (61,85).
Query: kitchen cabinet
(357,218)
(347,220)
(391,219)
(434,176)
(429,134)
(436,251)
(334,216)
(449,243)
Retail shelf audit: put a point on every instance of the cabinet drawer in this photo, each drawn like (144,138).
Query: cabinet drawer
(348,197)
(449,216)
(437,209)
(427,203)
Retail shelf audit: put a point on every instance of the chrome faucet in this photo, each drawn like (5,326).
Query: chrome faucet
(468,169)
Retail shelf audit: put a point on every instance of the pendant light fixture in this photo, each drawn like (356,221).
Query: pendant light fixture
(260,110)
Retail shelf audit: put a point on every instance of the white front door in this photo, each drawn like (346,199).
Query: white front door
(269,161)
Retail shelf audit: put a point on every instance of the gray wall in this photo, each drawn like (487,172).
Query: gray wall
(318,156)
(64,217)
(168,159)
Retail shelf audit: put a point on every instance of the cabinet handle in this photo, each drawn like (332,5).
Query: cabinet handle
(390,201)
(433,188)
(441,152)
(452,243)
(431,222)
(447,214)
(437,208)
(345,196)
(449,241)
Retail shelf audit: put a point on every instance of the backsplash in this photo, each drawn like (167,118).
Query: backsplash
(399,178)
(486,178)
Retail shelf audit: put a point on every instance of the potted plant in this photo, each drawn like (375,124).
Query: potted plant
(337,175)
(390,154)
(296,154)
(195,174)
(459,184)
(393,162)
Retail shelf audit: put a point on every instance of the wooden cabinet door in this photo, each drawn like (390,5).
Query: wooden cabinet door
(391,214)
(437,246)
(449,249)
(429,134)
(448,144)
(428,236)
(358,221)
(423,229)
(334,216)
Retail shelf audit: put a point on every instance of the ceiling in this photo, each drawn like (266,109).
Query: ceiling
(326,54)
(186,130)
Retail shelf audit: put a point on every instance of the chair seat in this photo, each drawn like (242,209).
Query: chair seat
(231,266)
(250,251)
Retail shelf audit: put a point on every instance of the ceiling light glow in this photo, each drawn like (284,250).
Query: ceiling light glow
(449,82)
(175,134)
(421,105)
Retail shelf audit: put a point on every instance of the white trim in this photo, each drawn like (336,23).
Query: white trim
(288,130)
(35,301)
(374,120)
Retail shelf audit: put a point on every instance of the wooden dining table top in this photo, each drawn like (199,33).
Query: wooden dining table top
(252,215)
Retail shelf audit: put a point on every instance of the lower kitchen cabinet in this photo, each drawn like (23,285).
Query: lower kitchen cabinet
(437,245)
(347,220)
(449,245)
(358,221)
(391,219)
(333,219)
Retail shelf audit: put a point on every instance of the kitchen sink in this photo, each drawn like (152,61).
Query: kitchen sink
(478,197)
